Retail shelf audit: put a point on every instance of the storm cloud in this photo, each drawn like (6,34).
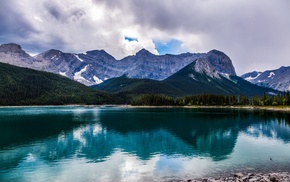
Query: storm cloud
(254,34)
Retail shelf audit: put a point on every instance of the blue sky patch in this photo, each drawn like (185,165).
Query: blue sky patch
(172,46)
(130,39)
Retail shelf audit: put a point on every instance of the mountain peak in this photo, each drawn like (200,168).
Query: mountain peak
(143,52)
(55,51)
(49,55)
(217,52)
(12,47)
(100,54)
(97,52)
(283,67)
(222,62)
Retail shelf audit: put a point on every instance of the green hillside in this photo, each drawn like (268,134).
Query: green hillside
(23,86)
(138,86)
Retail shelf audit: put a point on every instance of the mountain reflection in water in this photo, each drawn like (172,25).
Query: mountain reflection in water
(171,141)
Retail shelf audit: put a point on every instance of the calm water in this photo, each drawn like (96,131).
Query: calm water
(121,144)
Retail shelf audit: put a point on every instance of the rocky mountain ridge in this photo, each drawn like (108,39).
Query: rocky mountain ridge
(96,66)
(14,55)
(278,79)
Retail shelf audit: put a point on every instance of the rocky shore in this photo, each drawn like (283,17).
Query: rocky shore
(250,177)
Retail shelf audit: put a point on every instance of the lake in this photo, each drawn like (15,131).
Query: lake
(74,143)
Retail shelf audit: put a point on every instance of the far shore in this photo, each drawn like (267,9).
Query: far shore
(268,108)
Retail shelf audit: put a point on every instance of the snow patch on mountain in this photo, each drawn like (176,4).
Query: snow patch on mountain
(252,78)
(78,76)
(97,80)
(225,75)
(63,73)
(80,59)
(53,57)
(271,75)
(192,76)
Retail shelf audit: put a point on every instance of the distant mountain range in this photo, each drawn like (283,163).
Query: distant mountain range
(96,66)
(278,79)
(175,75)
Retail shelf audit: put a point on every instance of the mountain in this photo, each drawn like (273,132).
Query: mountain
(278,79)
(135,86)
(251,75)
(211,72)
(90,68)
(14,55)
(199,77)
(96,66)
(147,65)
(23,86)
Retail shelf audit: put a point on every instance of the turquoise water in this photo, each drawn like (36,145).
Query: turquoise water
(133,144)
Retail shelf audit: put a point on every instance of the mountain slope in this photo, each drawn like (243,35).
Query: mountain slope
(22,86)
(201,78)
(278,79)
(89,69)
(94,67)
(191,80)
(138,86)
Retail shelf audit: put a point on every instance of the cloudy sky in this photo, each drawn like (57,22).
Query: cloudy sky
(255,34)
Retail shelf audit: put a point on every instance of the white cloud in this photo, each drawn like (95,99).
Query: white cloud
(252,33)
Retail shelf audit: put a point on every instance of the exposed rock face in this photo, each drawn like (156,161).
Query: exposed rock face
(278,79)
(14,55)
(95,66)
(202,65)
(222,63)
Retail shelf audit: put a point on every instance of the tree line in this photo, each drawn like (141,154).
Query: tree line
(213,100)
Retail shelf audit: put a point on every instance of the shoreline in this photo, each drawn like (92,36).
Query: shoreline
(267,108)
(243,177)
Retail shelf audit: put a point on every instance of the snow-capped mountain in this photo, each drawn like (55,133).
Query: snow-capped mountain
(278,79)
(93,67)
(84,68)
(251,76)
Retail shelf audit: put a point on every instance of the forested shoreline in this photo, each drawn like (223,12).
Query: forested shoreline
(212,100)
(22,86)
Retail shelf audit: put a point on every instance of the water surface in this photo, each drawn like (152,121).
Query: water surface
(129,144)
